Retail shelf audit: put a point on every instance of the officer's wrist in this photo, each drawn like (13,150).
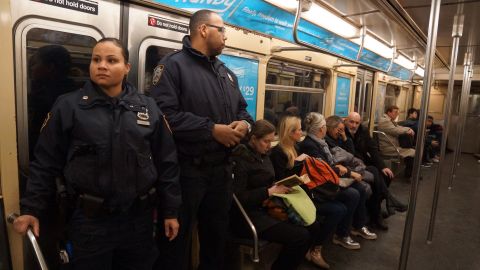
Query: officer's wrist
(249,126)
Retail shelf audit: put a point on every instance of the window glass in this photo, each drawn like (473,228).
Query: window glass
(358,84)
(153,56)
(57,63)
(367,103)
(293,90)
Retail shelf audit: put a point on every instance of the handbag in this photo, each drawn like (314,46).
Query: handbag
(295,206)
(324,182)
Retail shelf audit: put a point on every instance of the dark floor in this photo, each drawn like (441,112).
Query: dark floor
(456,242)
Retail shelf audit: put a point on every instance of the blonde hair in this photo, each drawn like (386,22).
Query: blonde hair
(286,128)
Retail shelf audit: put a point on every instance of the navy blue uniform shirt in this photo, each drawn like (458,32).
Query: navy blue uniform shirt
(113,148)
(196,92)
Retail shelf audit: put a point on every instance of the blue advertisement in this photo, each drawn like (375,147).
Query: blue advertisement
(246,71)
(342,97)
(374,60)
(266,18)
(400,72)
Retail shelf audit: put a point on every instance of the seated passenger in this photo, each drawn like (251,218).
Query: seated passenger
(388,125)
(366,149)
(315,146)
(253,184)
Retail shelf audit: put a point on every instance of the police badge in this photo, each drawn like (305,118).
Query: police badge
(157,74)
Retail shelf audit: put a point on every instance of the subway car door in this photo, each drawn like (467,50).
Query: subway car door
(363,94)
(152,34)
(53,41)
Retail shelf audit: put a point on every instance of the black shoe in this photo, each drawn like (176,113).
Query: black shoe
(380,224)
(394,203)
(389,212)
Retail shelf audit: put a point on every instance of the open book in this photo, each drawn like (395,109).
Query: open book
(293,180)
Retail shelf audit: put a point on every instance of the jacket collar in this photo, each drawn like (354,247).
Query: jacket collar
(93,95)
(187,46)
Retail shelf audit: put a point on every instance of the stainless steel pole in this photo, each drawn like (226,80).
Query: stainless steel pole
(462,115)
(429,56)
(456,34)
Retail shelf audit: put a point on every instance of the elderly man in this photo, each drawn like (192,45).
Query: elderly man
(366,149)
(390,127)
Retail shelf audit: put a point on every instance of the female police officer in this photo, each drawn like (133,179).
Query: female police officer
(116,152)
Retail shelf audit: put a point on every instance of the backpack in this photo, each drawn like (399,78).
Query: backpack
(324,182)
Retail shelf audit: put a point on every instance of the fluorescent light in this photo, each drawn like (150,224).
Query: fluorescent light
(290,5)
(378,47)
(404,62)
(420,72)
(326,19)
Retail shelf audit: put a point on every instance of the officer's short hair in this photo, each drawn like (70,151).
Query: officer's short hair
(119,44)
(198,18)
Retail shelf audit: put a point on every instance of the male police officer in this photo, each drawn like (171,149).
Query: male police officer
(208,116)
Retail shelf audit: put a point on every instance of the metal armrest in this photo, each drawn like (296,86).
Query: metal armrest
(389,141)
(255,257)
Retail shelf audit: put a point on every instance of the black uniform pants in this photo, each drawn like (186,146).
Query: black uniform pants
(123,241)
(206,199)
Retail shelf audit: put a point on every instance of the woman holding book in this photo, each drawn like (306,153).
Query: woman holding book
(287,161)
(254,183)
(352,197)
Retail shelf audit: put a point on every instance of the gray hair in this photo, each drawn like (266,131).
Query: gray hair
(333,121)
(314,121)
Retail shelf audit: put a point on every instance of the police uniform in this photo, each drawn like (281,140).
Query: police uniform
(119,160)
(196,92)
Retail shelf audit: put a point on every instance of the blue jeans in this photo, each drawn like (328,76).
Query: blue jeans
(333,212)
(353,198)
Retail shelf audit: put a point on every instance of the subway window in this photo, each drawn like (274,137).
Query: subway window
(57,63)
(293,90)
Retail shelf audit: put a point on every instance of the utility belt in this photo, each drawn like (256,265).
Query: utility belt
(95,207)
(209,159)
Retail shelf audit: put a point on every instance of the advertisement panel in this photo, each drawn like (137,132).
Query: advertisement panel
(342,96)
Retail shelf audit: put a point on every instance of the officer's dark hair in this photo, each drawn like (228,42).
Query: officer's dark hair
(262,128)
(57,56)
(119,44)
(411,111)
(198,18)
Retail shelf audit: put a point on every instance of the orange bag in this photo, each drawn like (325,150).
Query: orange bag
(324,182)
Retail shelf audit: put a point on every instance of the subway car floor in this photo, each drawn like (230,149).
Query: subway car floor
(457,230)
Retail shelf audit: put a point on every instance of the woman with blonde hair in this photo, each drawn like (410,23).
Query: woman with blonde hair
(286,161)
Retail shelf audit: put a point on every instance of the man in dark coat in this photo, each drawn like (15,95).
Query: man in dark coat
(207,113)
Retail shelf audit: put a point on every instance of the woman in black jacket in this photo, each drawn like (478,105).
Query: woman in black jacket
(253,184)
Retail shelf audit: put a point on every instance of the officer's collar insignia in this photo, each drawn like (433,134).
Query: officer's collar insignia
(143,118)
(157,74)
(230,77)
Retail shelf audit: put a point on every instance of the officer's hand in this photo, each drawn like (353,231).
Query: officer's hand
(226,135)
(171,228)
(388,172)
(240,126)
(22,223)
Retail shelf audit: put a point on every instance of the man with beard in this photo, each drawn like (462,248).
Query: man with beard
(207,113)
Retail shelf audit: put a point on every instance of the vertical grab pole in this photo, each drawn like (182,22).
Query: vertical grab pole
(456,34)
(463,110)
(429,56)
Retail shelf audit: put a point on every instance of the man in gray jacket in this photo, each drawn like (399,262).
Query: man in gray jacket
(390,145)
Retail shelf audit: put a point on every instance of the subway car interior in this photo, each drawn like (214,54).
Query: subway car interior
(328,56)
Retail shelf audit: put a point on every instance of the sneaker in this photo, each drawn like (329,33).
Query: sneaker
(435,160)
(364,233)
(315,256)
(426,165)
(346,242)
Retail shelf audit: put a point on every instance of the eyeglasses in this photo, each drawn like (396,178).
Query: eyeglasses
(220,29)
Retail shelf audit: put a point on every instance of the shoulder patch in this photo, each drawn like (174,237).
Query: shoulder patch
(45,122)
(157,74)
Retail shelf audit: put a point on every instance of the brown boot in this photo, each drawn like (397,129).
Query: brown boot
(315,256)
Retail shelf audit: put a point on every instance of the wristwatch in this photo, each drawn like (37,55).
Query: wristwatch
(248,125)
